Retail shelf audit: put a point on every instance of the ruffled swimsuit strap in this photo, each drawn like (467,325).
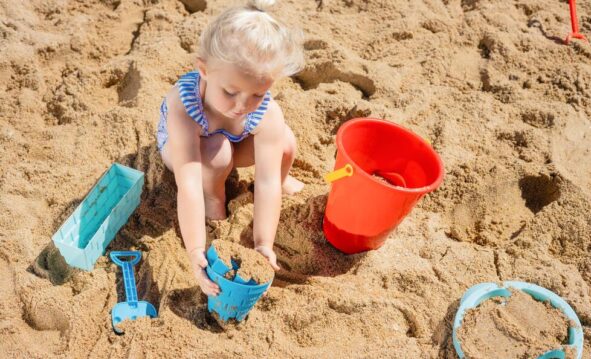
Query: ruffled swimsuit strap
(254,118)
(188,86)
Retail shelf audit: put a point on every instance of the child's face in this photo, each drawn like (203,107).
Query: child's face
(230,91)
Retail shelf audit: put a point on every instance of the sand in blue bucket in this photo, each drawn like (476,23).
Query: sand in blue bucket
(243,276)
(513,327)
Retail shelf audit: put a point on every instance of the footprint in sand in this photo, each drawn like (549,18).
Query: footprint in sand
(44,312)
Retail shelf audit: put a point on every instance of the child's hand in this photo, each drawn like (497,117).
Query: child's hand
(270,255)
(199,262)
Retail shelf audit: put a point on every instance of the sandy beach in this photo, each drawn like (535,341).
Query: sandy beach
(490,83)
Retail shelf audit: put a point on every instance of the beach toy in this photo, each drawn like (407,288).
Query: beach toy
(85,235)
(361,209)
(237,296)
(574,23)
(132,308)
(477,294)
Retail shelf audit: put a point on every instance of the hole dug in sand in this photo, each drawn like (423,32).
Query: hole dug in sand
(44,312)
(51,265)
(539,191)
(192,6)
(191,304)
(490,215)
(130,86)
(301,247)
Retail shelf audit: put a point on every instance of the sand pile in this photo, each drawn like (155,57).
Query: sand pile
(514,327)
(251,264)
(487,82)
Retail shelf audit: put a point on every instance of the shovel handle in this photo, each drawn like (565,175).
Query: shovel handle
(346,171)
(128,273)
(115,257)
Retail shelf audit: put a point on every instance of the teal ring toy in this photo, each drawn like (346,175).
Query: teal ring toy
(477,294)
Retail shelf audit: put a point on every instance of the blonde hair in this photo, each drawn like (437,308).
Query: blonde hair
(253,40)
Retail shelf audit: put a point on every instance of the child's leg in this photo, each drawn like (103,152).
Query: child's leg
(244,157)
(216,164)
(290,184)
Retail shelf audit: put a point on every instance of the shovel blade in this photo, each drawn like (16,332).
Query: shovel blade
(125,310)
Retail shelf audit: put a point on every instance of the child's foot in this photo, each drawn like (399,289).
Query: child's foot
(292,185)
(214,208)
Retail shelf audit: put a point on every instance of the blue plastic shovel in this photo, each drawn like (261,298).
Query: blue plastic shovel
(131,308)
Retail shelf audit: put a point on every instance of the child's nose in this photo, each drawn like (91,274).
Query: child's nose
(240,106)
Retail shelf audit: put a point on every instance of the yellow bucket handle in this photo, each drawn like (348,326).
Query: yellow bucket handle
(346,171)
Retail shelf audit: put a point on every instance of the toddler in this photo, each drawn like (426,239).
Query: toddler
(223,116)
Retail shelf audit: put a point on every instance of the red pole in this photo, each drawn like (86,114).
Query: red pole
(574,23)
(572,4)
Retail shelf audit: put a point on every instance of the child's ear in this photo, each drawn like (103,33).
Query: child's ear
(202,68)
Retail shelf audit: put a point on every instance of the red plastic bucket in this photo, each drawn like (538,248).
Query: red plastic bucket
(362,209)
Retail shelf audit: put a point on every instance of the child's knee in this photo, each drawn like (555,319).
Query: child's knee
(219,153)
(290,146)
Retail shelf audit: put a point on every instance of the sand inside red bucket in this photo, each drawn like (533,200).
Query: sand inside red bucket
(382,179)
(515,327)
(252,264)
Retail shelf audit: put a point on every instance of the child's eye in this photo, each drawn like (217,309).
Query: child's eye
(228,93)
(259,96)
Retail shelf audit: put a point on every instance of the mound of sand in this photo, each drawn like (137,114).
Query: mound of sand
(488,82)
(514,327)
(251,264)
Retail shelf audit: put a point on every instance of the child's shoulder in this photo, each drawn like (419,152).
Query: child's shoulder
(272,121)
(273,109)
(176,108)
(184,85)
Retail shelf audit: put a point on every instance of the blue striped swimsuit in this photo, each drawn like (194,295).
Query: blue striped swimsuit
(188,87)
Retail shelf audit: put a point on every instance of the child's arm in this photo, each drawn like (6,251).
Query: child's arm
(183,144)
(268,153)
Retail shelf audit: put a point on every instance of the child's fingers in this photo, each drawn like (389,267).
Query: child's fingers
(202,260)
(270,255)
(210,288)
(215,288)
(207,285)
(273,261)
(209,292)
(274,265)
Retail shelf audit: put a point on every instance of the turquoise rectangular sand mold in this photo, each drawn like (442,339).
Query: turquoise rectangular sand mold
(85,235)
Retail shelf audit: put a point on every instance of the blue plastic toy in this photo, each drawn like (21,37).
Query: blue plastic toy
(481,292)
(85,235)
(237,296)
(131,308)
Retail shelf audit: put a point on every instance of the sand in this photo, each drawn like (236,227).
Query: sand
(381,179)
(503,102)
(514,327)
(251,264)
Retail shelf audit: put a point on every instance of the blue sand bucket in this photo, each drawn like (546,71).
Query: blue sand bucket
(477,294)
(236,297)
